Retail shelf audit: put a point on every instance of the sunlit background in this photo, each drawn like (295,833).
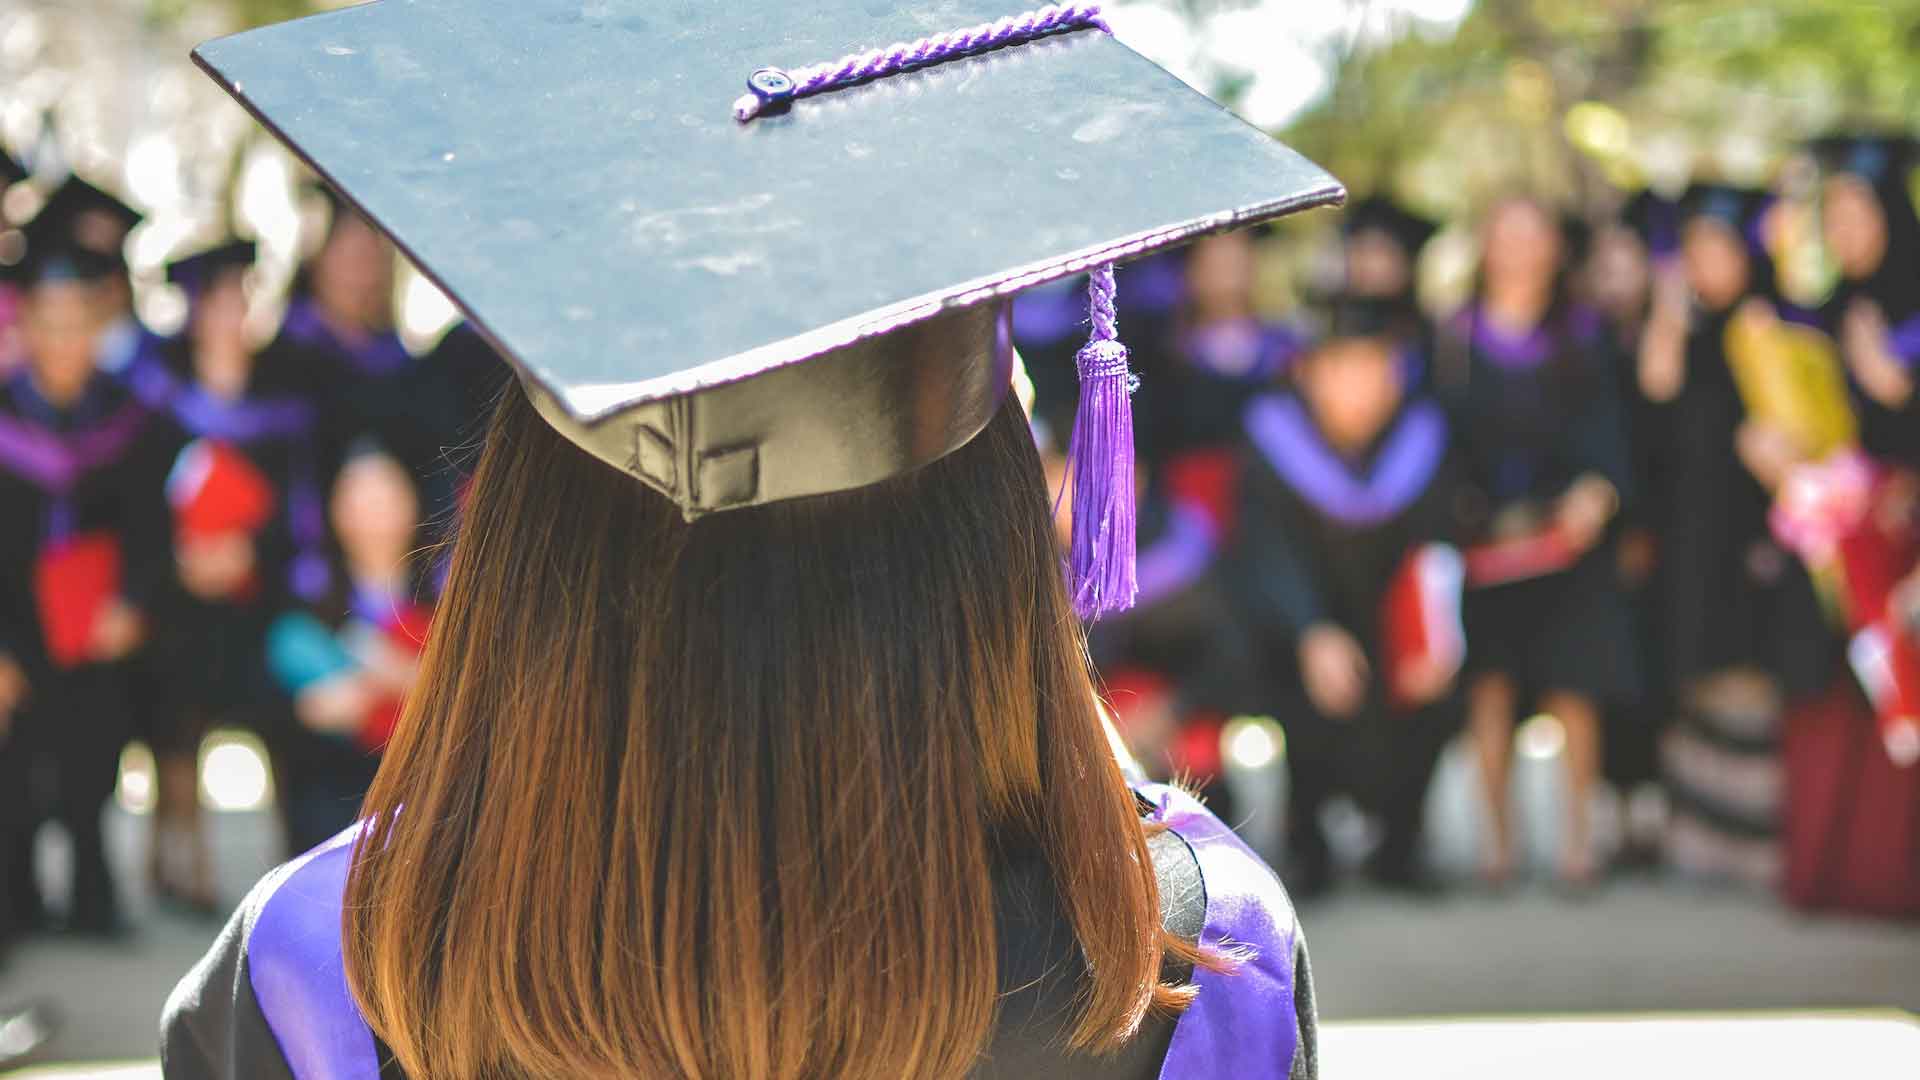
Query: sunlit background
(1443,104)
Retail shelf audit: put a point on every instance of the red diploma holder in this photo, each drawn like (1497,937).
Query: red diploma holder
(214,489)
(1422,622)
(73,582)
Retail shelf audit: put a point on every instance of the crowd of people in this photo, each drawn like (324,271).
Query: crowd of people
(1608,488)
(1380,526)
(198,530)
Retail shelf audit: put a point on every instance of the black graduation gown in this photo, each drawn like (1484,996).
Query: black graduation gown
(217,1023)
(208,653)
(1531,413)
(1713,513)
(77,718)
(1322,539)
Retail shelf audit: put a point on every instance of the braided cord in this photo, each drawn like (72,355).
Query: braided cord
(933,49)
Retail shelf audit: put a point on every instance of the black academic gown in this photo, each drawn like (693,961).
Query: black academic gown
(77,717)
(1322,538)
(208,652)
(268,1001)
(1532,413)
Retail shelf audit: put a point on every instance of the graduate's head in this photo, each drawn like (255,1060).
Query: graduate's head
(1618,270)
(1523,244)
(1353,380)
(352,274)
(1382,240)
(375,506)
(755,650)
(215,282)
(1854,225)
(61,322)
(1719,261)
(1220,275)
(1866,203)
(97,223)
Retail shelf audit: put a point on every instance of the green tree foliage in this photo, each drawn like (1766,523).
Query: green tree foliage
(1570,96)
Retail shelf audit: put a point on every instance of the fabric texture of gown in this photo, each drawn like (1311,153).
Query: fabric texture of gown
(269,1001)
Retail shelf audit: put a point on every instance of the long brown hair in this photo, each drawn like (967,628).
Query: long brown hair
(721,799)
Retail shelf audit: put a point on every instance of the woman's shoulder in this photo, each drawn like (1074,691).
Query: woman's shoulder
(270,997)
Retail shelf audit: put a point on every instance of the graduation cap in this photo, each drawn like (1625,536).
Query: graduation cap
(197,271)
(11,171)
(94,220)
(1878,159)
(737,298)
(1733,207)
(1382,214)
(1352,315)
(53,253)
(1655,218)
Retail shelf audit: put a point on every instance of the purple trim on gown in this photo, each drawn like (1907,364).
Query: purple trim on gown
(299,977)
(55,461)
(1247,350)
(1242,1024)
(1398,473)
(379,355)
(1178,556)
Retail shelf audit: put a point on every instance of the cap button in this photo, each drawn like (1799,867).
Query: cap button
(774,88)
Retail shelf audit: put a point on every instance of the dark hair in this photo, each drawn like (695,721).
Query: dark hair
(719,799)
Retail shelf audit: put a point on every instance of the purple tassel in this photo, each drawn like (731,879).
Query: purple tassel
(1100,460)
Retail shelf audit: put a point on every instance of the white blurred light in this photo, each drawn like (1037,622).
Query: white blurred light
(1542,738)
(233,772)
(153,170)
(136,790)
(1254,742)
(425,311)
(1446,12)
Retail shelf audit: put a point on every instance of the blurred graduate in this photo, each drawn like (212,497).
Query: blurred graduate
(1347,572)
(84,555)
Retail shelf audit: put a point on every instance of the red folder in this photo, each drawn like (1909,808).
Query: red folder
(1421,623)
(215,489)
(74,580)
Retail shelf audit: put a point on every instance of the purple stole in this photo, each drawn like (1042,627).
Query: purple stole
(1903,340)
(56,462)
(1242,1024)
(1178,556)
(1399,473)
(379,356)
(1242,350)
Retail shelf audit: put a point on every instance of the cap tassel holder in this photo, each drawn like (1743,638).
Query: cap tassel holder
(1101,557)
(1102,554)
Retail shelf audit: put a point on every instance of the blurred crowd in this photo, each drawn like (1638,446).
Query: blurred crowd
(1629,483)
(1626,482)
(216,528)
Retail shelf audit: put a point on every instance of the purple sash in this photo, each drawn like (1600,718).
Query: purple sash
(1519,351)
(1243,1023)
(1240,349)
(1904,342)
(298,975)
(1178,556)
(1400,471)
(382,354)
(55,462)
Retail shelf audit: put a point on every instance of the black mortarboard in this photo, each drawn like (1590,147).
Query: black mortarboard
(1655,218)
(53,254)
(1409,229)
(11,171)
(579,182)
(1352,315)
(1733,207)
(195,272)
(1877,159)
(92,218)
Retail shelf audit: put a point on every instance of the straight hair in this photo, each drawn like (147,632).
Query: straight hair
(721,799)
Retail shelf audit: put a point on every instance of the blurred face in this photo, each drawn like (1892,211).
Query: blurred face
(353,273)
(1854,225)
(1523,246)
(220,323)
(1220,273)
(1353,387)
(1715,259)
(1618,273)
(61,324)
(375,512)
(1377,265)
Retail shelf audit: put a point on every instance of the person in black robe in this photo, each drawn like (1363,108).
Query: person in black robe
(244,494)
(83,554)
(1872,232)
(1347,479)
(340,335)
(344,663)
(1533,399)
